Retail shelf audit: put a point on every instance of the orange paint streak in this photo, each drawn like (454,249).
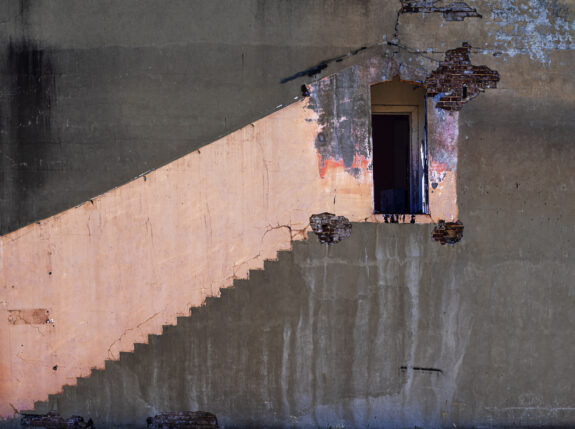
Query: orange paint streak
(360,162)
(437,167)
(328,164)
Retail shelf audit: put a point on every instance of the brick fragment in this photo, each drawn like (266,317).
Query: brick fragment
(53,420)
(458,81)
(448,232)
(329,228)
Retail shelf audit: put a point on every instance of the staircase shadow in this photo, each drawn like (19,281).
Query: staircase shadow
(306,330)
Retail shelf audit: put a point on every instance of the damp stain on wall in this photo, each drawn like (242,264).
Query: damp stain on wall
(26,131)
(30,316)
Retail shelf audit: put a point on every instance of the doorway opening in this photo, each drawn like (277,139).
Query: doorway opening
(399,148)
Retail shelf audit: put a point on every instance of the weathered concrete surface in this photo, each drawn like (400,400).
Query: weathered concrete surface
(496,310)
(316,339)
(123,87)
(516,194)
(319,339)
(494,313)
(92,95)
(113,270)
(208,218)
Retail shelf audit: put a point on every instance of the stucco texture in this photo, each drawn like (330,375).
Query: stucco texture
(387,328)
(121,265)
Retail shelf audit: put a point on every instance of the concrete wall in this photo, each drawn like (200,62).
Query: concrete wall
(316,339)
(493,313)
(107,273)
(386,329)
(71,280)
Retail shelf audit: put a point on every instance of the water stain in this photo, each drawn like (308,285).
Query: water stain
(26,129)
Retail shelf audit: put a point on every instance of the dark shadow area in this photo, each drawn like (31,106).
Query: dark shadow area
(133,100)
(310,330)
(26,140)
(391,163)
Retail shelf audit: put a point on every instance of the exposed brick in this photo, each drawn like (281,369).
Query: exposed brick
(54,420)
(458,80)
(456,11)
(448,232)
(330,228)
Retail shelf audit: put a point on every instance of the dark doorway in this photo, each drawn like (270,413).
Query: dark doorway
(398,112)
(391,160)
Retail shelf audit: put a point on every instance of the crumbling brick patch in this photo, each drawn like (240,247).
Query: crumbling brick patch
(458,81)
(183,419)
(456,11)
(53,420)
(330,228)
(448,232)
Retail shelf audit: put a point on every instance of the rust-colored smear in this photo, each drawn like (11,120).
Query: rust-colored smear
(359,163)
(31,316)
(458,81)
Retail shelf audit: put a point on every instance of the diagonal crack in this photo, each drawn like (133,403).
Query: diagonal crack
(110,354)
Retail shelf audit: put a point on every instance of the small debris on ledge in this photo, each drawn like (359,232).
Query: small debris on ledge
(53,420)
(183,419)
(329,228)
(448,232)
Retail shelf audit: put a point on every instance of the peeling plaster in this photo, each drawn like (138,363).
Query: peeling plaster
(343,111)
(443,151)
(343,142)
(532,28)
